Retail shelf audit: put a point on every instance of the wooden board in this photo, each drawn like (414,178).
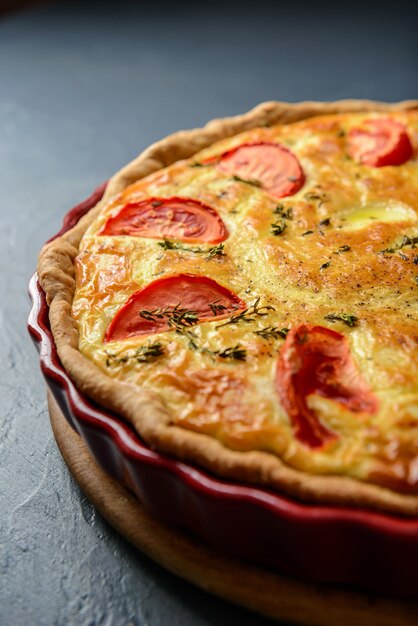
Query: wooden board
(250,586)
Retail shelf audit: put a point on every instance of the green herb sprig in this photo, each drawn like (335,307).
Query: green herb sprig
(347,319)
(143,354)
(286,214)
(406,242)
(217,250)
(175,316)
(247,181)
(317,196)
(249,315)
(235,353)
(278,227)
(272,332)
(217,309)
(342,249)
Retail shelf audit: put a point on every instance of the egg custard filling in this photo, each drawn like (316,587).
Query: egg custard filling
(264,293)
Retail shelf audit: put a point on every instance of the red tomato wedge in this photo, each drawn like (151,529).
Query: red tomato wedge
(380,142)
(317,360)
(176,301)
(270,165)
(183,219)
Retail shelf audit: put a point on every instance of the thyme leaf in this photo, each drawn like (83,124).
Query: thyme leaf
(143,354)
(272,332)
(236,352)
(343,248)
(247,181)
(325,265)
(167,244)
(217,309)
(216,251)
(286,214)
(405,242)
(346,318)
(175,316)
(278,227)
(316,195)
(249,315)
(307,232)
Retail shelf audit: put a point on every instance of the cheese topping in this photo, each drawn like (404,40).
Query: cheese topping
(253,287)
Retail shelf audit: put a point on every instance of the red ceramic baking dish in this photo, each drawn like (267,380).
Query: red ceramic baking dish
(318,543)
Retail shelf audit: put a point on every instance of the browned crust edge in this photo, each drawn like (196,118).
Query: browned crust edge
(144,409)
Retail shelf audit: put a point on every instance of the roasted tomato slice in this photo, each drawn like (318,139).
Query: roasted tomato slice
(380,142)
(168,303)
(271,166)
(317,360)
(183,219)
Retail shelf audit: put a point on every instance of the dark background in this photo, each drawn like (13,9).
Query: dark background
(83,88)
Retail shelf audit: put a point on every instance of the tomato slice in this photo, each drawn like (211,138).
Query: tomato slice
(176,301)
(380,142)
(317,360)
(184,219)
(272,166)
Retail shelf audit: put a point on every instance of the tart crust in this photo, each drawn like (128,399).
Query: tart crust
(144,409)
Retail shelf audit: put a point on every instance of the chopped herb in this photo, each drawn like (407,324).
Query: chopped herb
(278,227)
(320,196)
(148,352)
(415,260)
(325,222)
(307,232)
(143,354)
(198,164)
(216,251)
(156,203)
(416,279)
(341,133)
(191,336)
(175,316)
(272,332)
(217,309)
(171,245)
(286,214)
(406,241)
(248,181)
(349,320)
(343,248)
(325,265)
(403,256)
(249,315)
(211,252)
(236,353)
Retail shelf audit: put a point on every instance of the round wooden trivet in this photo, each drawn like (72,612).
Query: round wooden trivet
(247,585)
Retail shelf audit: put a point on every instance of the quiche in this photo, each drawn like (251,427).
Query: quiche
(245,295)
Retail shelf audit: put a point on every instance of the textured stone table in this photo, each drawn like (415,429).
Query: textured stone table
(81,92)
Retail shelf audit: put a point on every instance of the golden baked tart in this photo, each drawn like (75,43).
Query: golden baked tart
(246,296)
